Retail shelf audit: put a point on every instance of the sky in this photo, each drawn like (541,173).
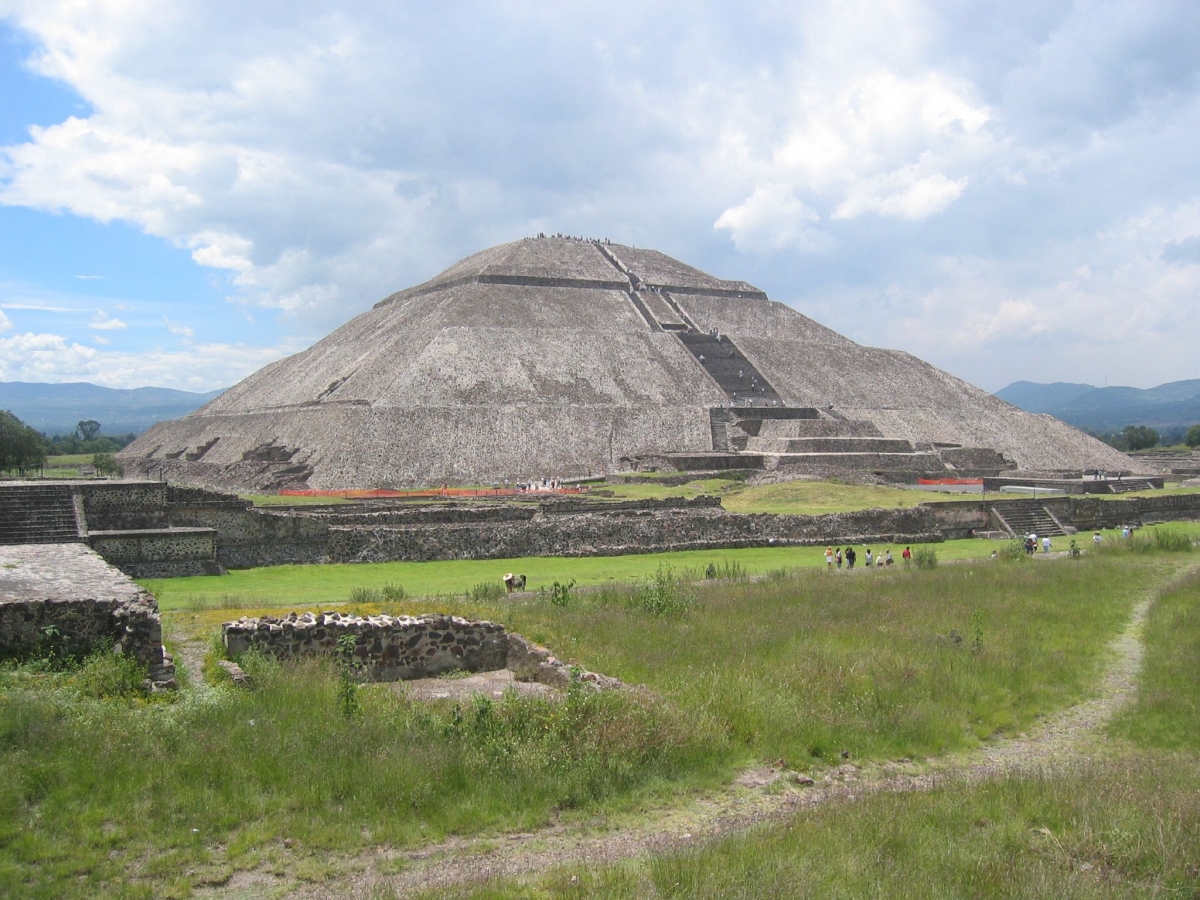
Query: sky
(191,190)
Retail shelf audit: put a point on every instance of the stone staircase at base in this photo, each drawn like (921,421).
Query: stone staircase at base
(1022,517)
(1125,485)
(37,514)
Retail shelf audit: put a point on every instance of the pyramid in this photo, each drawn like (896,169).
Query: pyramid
(560,357)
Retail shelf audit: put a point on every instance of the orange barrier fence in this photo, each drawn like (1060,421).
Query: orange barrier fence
(949,481)
(428,493)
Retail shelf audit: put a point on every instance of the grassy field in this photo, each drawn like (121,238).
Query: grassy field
(127,798)
(315,585)
(1124,825)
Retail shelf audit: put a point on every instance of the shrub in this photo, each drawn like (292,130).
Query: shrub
(925,558)
(664,595)
(108,676)
(560,594)
(487,592)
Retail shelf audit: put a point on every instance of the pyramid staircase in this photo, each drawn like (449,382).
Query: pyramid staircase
(38,514)
(1022,517)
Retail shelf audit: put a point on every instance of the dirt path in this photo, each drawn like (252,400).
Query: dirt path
(757,796)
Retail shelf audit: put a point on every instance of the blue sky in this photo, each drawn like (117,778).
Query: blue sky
(1010,191)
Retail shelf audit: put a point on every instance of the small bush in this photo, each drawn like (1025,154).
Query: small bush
(1171,541)
(663,596)
(109,676)
(487,592)
(393,593)
(1012,550)
(366,595)
(560,594)
(925,558)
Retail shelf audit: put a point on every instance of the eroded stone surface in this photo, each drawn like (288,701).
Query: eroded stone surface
(64,597)
(548,357)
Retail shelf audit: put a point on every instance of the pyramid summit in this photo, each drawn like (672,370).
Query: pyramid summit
(560,357)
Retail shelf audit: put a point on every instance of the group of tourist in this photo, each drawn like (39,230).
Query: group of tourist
(835,557)
(1031,543)
(570,237)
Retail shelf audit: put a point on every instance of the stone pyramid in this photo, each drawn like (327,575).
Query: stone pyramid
(560,357)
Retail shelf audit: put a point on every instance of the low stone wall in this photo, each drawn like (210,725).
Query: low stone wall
(63,598)
(1088,513)
(118,505)
(159,552)
(637,531)
(402,648)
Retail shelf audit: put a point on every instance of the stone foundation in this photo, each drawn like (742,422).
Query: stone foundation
(402,648)
(63,598)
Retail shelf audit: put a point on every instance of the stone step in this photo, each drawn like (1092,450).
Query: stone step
(729,368)
(829,445)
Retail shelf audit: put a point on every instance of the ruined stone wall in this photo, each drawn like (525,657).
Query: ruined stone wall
(638,531)
(64,598)
(382,648)
(403,648)
(113,506)
(1088,513)
(159,553)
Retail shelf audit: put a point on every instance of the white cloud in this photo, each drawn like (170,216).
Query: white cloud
(5,322)
(772,218)
(972,170)
(53,358)
(101,321)
(178,330)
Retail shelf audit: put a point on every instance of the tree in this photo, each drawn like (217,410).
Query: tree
(88,429)
(1139,437)
(1193,436)
(106,464)
(21,448)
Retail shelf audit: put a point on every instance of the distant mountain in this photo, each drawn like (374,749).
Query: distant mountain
(56,408)
(1172,405)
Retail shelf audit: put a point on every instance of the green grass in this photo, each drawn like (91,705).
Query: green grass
(1167,712)
(802,666)
(304,586)
(1122,828)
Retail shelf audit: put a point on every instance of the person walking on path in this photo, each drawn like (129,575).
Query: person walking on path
(1046,544)
(851,556)
(868,560)
(906,555)
(829,559)
(837,558)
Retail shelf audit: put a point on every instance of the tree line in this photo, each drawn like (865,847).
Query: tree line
(1143,437)
(24,449)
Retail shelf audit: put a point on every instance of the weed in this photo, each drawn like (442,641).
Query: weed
(560,594)
(925,558)
(664,595)
(111,676)
(486,592)
(348,677)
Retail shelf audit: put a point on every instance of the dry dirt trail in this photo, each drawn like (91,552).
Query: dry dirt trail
(759,795)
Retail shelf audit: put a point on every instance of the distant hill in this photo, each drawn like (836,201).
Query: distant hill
(1173,405)
(56,408)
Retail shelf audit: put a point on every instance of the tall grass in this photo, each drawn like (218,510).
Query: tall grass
(1166,714)
(93,790)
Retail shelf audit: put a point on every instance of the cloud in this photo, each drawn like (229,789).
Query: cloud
(5,322)
(102,322)
(90,277)
(772,218)
(53,358)
(926,169)
(179,330)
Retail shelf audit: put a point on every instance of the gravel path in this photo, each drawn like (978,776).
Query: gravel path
(757,796)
